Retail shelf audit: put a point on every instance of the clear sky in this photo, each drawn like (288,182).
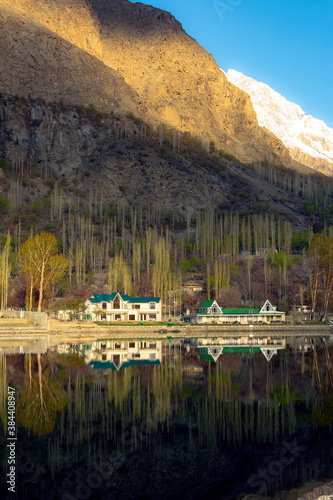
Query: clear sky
(287,44)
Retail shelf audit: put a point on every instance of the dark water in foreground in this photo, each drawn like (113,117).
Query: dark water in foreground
(147,419)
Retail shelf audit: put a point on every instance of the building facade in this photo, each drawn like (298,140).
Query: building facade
(210,312)
(121,307)
(120,354)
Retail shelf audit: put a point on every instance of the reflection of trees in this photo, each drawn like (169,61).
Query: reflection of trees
(39,402)
(323,409)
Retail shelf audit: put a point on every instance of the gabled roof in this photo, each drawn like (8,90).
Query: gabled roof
(206,303)
(109,297)
(242,310)
(270,303)
(103,365)
(109,365)
(102,297)
(267,351)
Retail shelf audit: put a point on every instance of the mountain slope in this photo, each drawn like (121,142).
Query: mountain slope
(103,159)
(118,55)
(36,61)
(309,140)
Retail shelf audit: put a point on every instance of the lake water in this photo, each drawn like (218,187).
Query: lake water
(166,419)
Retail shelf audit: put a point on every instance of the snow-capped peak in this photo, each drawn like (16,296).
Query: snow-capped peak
(285,119)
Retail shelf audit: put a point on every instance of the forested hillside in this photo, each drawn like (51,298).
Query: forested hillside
(143,211)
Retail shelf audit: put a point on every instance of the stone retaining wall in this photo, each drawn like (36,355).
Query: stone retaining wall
(35,317)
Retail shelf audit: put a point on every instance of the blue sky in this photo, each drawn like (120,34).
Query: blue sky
(287,44)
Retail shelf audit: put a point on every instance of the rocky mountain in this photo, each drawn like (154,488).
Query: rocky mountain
(112,159)
(128,58)
(309,141)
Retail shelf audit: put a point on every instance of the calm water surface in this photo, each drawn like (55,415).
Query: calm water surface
(145,419)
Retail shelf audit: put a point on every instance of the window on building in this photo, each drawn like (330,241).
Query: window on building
(104,306)
(116,303)
(136,306)
(152,316)
(152,305)
(153,356)
(131,345)
(103,357)
(117,345)
(132,317)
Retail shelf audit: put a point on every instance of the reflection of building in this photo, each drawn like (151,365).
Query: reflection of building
(212,349)
(23,345)
(121,307)
(209,311)
(117,354)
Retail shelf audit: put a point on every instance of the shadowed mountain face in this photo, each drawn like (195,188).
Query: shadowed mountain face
(123,57)
(35,61)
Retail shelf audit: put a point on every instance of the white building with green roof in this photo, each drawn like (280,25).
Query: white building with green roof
(120,354)
(210,312)
(212,349)
(120,307)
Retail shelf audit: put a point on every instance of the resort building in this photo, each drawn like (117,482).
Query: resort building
(120,307)
(210,312)
(212,349)
(118,354)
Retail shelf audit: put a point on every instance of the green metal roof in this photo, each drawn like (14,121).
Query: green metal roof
(109,365)
(242,349)
(206,303)
(102,297)
(207,357)
(109,297)
(144,300)
(242,310)
(103,365)
(228,350)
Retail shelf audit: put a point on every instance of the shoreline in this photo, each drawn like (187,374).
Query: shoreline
(85,334)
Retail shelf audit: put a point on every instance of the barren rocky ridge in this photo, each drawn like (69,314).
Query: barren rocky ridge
(123,57)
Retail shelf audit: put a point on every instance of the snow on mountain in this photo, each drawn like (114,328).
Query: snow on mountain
(286,120)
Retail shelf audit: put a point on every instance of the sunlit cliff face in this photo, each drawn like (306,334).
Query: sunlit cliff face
(111,53)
